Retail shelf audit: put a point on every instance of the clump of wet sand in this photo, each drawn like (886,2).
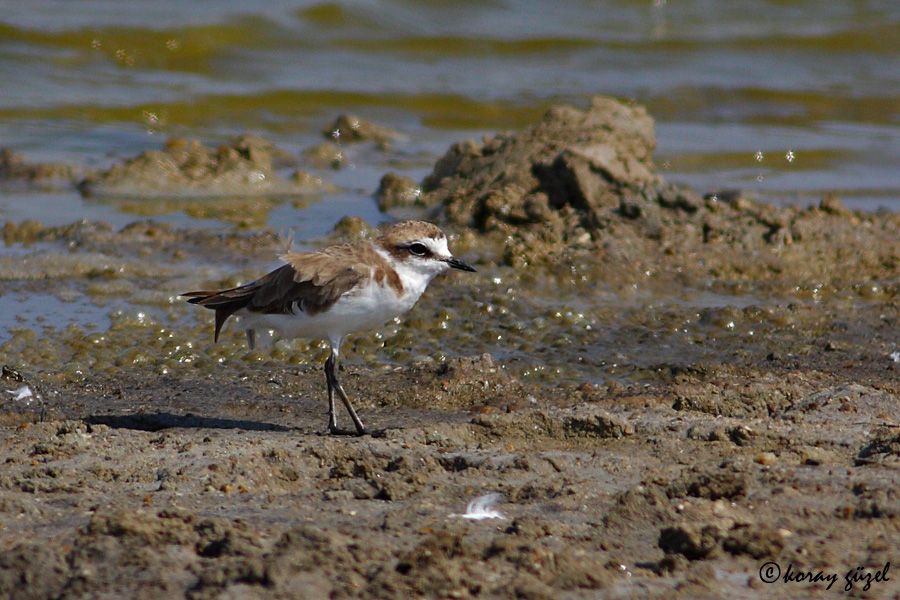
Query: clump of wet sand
(351,129)
(14,168)
(246,166)
(582,184)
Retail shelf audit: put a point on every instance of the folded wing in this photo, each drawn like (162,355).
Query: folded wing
(310,282)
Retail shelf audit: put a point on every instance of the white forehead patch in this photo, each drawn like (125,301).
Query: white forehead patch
(438,246)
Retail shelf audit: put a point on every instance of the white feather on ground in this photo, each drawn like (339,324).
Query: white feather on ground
(483,507)
(23,394)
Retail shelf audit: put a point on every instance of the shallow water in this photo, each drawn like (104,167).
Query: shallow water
(724,80)
(786,101)
(33,311)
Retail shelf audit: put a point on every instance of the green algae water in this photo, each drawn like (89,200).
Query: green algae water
(785,101)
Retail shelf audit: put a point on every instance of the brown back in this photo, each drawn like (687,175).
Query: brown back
(310,282)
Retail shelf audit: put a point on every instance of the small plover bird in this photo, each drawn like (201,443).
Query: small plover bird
(336,291)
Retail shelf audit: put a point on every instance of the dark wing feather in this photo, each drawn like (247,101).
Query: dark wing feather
(310,282)
(287,288)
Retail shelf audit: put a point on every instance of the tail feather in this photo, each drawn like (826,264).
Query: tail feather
(224,302)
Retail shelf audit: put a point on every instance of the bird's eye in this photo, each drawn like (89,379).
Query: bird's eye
(418,249)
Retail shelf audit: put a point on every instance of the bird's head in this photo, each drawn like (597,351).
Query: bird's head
(420,247)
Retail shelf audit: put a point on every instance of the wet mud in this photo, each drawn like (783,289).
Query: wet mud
(246,166)
(580,186)
(15,169)
(352,129)
(668,390)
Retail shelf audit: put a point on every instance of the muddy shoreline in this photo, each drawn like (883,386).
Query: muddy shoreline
(668,390)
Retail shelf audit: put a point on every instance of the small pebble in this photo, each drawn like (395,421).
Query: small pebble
(765,458)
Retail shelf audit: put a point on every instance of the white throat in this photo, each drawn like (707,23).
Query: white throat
(415,274)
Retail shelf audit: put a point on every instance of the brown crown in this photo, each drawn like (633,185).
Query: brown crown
(406,231)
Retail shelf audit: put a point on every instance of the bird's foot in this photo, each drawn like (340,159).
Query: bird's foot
(335,430)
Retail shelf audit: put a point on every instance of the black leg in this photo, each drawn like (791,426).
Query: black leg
(332,416)
(335,386)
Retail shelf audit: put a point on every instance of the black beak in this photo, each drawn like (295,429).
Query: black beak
(458,264)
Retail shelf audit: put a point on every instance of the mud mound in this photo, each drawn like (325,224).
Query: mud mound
(139,236)
(564,173)
(352,129)
(584,183)
(246,166)
(14,168)
(397,191)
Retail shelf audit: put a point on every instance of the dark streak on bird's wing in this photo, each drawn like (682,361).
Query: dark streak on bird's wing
(307,288)
(311,281)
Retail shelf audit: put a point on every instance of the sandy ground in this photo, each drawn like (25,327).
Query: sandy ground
(225,486)
(678,447)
